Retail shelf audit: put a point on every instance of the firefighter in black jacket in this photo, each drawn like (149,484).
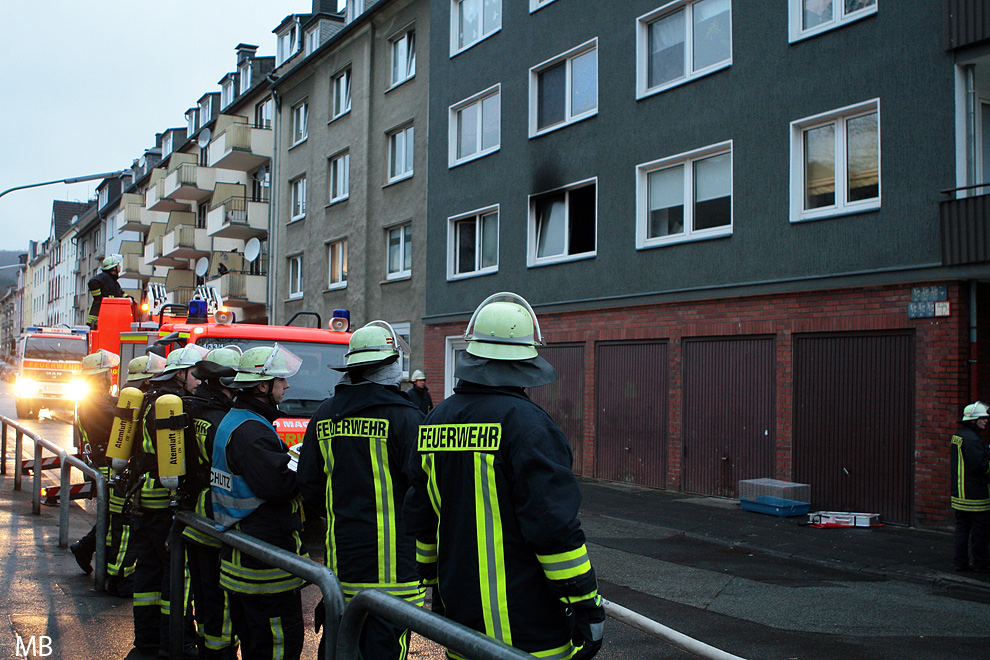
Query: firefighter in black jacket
(153,516)
(104,285)
(494,502)
(419,393)
(256,492)
(94,418)
(971,490)
(352,469)
(206,409)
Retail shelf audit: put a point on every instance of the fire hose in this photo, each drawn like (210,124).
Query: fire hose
(662,632)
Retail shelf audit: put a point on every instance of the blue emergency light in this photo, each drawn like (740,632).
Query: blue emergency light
(341,320)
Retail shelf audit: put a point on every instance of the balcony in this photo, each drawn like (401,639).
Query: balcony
(153,255)
(189,183)
(240,290)
(156,200)
(238,217)
(134,266)
(965,227)
(240,146)
(185,242)
(132,216)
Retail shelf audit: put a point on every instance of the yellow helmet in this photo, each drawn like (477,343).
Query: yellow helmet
(975,411)
(263,363)
(504,327)
(99,362)
(375,343)
(144,367)
(183,358)
(112,261)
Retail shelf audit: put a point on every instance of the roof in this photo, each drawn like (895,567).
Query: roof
(62,214)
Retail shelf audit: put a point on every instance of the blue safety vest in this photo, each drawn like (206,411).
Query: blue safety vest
(233,499)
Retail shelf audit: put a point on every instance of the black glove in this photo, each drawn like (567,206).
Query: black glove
(320,615)
(589,625)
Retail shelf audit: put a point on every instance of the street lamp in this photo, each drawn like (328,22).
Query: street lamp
(75,179)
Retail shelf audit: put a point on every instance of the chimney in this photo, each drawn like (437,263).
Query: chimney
(324,6)
(245,52)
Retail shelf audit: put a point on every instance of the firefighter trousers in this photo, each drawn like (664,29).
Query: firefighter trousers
(268,625)
(216,640)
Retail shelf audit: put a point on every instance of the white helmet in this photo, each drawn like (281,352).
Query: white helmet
(975,411)
(374,343)
(263,363)
(99,362)
(504,327)
(112,261)
(183,358)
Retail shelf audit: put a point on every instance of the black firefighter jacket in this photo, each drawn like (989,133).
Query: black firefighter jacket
(495,507)
(970,470)
(352,468)
(206,409)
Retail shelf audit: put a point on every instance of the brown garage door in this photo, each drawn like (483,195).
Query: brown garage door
(729,413)
(853,421)
(564,398)
(631,382)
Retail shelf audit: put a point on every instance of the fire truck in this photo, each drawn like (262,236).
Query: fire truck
(207,323)
(48,364)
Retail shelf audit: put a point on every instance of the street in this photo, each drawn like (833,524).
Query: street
(737,599)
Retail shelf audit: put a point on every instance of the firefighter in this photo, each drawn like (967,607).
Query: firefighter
(970,469)
(94,417)
(367,431)
(153,515)
(255,491)
(420,393)
(206,409)
(494,502)
(104,285)
(120,553)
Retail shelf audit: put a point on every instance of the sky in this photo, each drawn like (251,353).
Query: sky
(86,84)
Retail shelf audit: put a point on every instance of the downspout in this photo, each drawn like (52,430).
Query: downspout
(974,365)
(971,134)
(273,212)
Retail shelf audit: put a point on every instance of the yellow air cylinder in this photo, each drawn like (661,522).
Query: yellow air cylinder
(125,426)
(169,440)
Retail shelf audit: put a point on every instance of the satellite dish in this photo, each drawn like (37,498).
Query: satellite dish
(252,249)
(204,138)
(202,266)
(261,173)
(74,220)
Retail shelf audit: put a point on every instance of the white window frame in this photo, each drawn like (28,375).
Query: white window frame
(339,177)
(795,11)
(295,283)
(227,92)
(452,243)
(313,40)
(538,4)
(532,239)
(400,141)
(403,329)
(300,122)
(841,206)
(452,345)
(687,160)
(484,31)
(643,23)
(287,44)
(403,44)
(338,270)
(406,268)
(341,85)
(297,208)
(192,120)
(534,89)
(454,125)
(206,111)
(244,76)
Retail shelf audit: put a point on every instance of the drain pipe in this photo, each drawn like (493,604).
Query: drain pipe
(974,354)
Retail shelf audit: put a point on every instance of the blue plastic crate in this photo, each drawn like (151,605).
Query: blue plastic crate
(775,506)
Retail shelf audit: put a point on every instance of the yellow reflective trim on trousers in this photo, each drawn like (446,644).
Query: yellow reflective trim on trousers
(147,598)
(426,553)
(278,638)
(566,565)
(564,652)
(491,557)
(384,516)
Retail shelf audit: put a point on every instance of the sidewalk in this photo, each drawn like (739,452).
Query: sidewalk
(894,552)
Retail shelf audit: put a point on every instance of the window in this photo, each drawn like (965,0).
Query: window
(342,93)
(562,224)
(473,20)
(402,330)
(340,175)
(400,154)
(299,122)
(403,57)
(564,90)
(399,252)
(337,264)
(263,114)
(287,44)
(298,199)
(313,40)
(474,126)
(473,244)
(835,162)
(244,76)
(227,92)
(682,42)
(685,197)
(810,17)
(296,276)
(206,110)
(191,119)
(537,4)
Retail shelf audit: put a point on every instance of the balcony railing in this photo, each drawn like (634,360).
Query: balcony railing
(238,217)
(965,226)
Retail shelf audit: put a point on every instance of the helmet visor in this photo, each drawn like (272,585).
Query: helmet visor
(281,363)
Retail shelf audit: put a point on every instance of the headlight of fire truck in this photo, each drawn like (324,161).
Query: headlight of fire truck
(26,387)
(76,390)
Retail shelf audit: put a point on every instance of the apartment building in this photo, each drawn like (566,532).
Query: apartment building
(746,230)
(349,207)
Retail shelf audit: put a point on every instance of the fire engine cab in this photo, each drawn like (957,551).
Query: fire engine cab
(48,364)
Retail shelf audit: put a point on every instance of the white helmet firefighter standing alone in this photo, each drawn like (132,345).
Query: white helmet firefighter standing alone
(494,502)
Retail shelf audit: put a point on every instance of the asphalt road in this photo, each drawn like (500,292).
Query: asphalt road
(752,605)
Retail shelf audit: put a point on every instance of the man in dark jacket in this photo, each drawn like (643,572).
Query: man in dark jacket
(970,466)
(206,408)
(104,285)
(494,502)
(352,469)
(255,491)
(420,393)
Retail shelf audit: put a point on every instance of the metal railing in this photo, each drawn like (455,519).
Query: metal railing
(67,462)
(343,623)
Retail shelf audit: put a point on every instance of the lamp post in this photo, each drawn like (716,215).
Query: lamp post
(75,179)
